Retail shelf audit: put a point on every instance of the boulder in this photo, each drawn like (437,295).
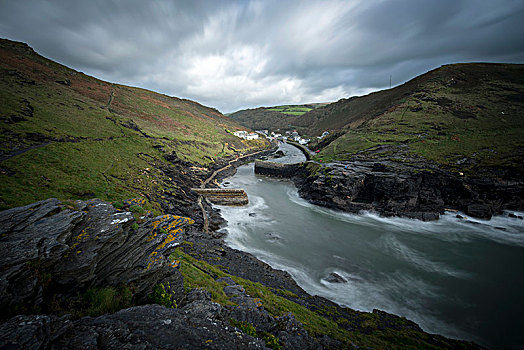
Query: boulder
(479,210)
(334,277)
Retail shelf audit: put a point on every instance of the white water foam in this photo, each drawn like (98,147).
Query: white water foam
(500,229)
(397,293)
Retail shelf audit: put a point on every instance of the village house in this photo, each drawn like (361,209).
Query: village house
(245,135)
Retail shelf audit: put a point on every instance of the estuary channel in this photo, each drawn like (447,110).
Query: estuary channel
(462,279)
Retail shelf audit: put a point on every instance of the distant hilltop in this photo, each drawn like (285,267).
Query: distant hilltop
(273,118)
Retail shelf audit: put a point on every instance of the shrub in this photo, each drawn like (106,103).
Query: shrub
(246,327)
(118,204)
(137,209)
(271,341)
(163,296)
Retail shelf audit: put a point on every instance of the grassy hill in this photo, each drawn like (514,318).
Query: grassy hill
(273,118)
(463,116)
(68,135)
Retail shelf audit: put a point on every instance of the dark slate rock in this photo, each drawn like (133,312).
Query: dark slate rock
(293,335)
(252,311)
(95,246)
(32,332)
(273,236)
(234,290)
(413,188)
(198,294)
(334,277)
(200,325)
(479,211)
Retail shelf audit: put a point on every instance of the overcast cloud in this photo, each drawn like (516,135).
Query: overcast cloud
(238,54)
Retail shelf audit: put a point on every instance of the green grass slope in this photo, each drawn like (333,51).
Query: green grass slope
(68,135)
(273,118)
(463,116)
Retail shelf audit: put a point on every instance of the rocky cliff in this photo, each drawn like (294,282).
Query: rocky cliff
(417,190)
(52,251)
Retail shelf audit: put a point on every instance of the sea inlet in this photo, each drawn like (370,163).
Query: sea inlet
(462,279)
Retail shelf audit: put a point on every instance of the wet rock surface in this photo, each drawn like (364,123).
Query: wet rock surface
(334,277)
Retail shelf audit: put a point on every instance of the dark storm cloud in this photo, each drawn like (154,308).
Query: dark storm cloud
(237,54)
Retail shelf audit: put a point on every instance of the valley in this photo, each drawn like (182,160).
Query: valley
(103,238)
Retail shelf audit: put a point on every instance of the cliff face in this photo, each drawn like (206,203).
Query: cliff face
(421,191)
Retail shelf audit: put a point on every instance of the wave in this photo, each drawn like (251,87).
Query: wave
(398,293)
(395,247)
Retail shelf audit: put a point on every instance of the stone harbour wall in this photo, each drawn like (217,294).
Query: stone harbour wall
(276,169)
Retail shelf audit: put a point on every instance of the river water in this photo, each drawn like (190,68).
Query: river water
(459,279)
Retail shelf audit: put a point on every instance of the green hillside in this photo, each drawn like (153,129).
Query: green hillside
(273,118)
(68,135)
(463,116)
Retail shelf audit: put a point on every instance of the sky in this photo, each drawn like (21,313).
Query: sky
(232,55)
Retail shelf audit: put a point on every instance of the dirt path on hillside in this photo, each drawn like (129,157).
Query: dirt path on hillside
(21,151)
(111,97)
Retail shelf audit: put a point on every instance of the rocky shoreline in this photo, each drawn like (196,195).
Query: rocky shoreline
(55,251)
(419,191)
(406,187)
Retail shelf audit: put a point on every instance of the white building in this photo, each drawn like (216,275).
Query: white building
(303,141)
(245,135)
(241,133)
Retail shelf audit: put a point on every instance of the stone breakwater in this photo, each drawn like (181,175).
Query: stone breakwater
(307,153)
(415,190)
(224,196)
(276,169)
